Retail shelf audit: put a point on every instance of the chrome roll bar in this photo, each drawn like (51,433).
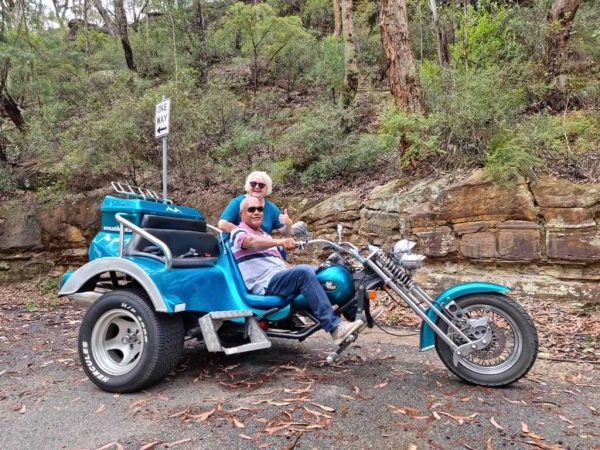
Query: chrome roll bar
(123,222)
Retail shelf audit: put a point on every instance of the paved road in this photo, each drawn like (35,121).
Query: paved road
(382,394)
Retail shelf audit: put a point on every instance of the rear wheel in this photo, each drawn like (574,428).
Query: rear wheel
(514,345)
(124,345)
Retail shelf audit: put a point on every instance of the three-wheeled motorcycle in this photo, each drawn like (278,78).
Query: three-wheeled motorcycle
(158,274)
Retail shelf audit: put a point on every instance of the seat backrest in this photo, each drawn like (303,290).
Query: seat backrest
(178,241)
(172,223)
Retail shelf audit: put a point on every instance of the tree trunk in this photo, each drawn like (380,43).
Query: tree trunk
(199,18)
(560,18)
(337,18)
(109,23)
(350,85)
(121,25)
(442,43)
(402,68)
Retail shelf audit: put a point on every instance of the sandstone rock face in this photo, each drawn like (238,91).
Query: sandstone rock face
(574,245)
(552,222)
(546,230)
(19,226)
(437,241)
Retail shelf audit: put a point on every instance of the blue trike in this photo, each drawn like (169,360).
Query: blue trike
(158,274)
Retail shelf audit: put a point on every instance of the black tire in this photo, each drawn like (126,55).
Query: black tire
(519,359)
(124,345)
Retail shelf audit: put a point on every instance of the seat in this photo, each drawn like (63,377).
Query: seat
(264,302)
(180,242)
(172,223)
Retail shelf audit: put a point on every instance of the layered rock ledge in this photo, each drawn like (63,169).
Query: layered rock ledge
(540,237)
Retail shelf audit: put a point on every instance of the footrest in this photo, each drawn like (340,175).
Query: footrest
(211,322)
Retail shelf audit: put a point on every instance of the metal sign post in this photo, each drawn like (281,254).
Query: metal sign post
(161,129)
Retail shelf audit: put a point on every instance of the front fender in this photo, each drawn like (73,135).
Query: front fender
(453,293)
(102,265)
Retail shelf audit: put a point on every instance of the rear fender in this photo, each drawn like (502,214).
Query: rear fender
(80,277)
(453,293)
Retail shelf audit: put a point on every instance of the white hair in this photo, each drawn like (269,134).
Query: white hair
(258,174)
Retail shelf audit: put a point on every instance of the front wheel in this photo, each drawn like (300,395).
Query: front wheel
(514,345)
(124,345)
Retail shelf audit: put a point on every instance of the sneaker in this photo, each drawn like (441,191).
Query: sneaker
(375,313)
(344,330)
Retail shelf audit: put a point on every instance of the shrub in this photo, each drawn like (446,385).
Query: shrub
(368,152)
(418,137)
(318,132)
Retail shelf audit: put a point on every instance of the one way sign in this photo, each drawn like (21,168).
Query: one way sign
(161,118)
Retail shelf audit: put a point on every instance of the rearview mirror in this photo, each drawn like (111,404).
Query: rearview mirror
(300,230)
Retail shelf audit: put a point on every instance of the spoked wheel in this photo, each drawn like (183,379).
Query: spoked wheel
(124,345)
(514,345)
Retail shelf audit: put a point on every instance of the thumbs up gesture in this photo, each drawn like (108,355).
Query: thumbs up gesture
(285,219)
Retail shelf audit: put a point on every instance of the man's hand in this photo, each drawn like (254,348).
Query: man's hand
(285,219)
(287,243)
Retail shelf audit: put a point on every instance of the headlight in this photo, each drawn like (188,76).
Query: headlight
(402,247)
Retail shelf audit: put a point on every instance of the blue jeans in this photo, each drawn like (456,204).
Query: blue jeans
(303,279)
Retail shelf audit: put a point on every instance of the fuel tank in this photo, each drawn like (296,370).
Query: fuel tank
(338,285)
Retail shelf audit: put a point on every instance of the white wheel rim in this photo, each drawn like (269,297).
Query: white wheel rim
(117,342)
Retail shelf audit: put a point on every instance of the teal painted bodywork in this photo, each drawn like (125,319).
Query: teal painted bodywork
(450,294)
(200,289)
(338,285)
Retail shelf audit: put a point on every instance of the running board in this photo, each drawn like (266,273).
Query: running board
(211,322)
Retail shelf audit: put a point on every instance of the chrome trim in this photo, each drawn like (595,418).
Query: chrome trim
(84,299)
(113,263)
(124,222)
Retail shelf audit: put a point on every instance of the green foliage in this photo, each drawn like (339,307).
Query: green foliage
(522,150)
(244,146)
(508,157)
(328,70)
(420,137)
(368,152)
(319,131)
(485,38)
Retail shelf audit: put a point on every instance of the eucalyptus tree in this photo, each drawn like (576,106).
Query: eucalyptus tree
(402,72)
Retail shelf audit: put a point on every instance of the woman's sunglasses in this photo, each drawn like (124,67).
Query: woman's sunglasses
(253,209)
(256,183)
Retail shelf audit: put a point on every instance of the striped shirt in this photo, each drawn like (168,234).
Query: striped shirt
(257,266)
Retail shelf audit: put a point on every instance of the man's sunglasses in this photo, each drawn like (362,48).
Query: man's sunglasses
(256,183)
(253,209)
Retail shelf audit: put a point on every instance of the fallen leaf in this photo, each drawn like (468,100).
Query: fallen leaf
(488,444)
(347,397)
(564,419)
(515,402)
(238,424)
(381,385)
(356,389)
(245,436)
(150,446)
(537,437)
(201,417)
(100,408)
(436,415)
(498,427)
(180,413)
(465,399)
(173,444)
(111,446)
(228,368)
(323,407)
(524,427)
(23,409)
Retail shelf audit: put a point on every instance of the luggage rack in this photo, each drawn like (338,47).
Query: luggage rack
(138,192)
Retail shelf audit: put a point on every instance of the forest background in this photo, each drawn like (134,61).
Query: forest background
(316,92)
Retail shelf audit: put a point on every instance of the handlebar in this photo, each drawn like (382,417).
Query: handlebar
(344,247)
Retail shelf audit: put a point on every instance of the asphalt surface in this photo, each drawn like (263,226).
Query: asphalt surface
(382,393)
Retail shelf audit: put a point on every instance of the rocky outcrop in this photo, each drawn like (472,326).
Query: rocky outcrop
(551,223)
(548,229)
